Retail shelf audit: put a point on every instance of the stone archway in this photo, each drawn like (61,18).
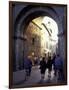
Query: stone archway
(25,16)
(23,19)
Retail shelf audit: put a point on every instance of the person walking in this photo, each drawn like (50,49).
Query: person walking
(59,67)
(28,66)
(49,66)
(53,62)
(42,68)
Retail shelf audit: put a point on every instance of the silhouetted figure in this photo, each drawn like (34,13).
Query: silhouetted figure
(53,61)
(49,66)
(36,60)
(46,60)
(42,68)
(59,67)
(28,66)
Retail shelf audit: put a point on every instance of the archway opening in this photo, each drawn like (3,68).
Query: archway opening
(41,38)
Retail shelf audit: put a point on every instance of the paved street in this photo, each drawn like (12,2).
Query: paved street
(35,78)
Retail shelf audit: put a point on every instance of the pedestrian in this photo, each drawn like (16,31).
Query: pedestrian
(46,58)
(59,67)
(49,66)
(28,66)
(53,61)
(42,68)
(35,61)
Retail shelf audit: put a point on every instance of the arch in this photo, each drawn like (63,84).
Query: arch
(30,12)
(26,15)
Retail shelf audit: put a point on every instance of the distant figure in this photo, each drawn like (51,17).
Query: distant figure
(36,60)
(42,68)
(59,67)
(28,65)
(53,61)
(49,66)
(46,58)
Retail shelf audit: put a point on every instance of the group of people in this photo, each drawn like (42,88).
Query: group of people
(46,63)
(56,61)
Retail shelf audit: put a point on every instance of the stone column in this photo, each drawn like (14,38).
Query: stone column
(17,54)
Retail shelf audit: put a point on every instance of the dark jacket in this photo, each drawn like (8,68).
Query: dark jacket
(42,66)
(59,63)
(53,60)
(49,64)
(27,64)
